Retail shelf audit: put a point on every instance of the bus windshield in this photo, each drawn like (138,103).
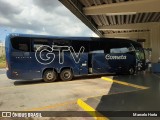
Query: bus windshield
(140,54)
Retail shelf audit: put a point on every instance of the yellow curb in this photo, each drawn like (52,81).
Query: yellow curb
(91,111)
(124,83)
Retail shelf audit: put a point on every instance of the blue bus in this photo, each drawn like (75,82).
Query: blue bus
(49,57)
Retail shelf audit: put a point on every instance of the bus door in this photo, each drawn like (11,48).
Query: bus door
(83,66)
(99,63)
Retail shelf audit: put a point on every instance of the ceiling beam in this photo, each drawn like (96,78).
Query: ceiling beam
(128,35)
(134,26)
(124,8)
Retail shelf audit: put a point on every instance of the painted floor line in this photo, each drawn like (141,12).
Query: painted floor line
(52,106)
(124,83)
(95,114)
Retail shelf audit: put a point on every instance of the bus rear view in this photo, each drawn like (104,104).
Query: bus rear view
(18,56)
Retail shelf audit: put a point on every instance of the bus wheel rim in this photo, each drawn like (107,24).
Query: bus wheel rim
(49,76)
(131,70)
(66,75)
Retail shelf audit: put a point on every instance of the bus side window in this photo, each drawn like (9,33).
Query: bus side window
(119,50)
(60,44)
(23,47)
(40,44)
(21,44)
(76,44)
(57,42)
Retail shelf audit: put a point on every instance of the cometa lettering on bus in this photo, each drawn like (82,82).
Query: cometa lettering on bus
(121,57)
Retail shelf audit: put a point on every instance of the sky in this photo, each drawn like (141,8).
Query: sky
(44,17)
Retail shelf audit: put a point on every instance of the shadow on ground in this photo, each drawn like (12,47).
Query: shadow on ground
(30,82)
(119,106)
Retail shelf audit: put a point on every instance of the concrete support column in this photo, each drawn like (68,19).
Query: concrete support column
(155,41)
(147,42)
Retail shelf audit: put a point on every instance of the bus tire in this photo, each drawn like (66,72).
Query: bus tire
(131,71)
(66,75)
(49,76)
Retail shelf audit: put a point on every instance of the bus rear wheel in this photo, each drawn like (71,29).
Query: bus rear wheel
(49,76)
(66,75)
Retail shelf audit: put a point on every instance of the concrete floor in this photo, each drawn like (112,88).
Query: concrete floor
(62,96)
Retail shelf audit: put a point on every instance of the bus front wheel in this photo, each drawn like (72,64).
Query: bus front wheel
(66,75)
(49,76)
(131,71)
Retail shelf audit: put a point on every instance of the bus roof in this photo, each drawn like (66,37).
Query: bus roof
(70,38)
(48,36)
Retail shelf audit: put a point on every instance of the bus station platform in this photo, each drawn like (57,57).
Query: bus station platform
(139,104)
